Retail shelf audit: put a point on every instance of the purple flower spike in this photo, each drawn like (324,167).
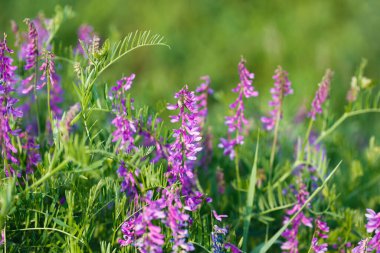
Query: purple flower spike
(321,232)
(87,35)
(373,223)
(183,151)
(8,111)
(282,88)
(32,46)
(235,123)
(362,246)
(203,91)
(124,123)
(321,95)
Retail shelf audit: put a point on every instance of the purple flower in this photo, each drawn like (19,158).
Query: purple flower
(202,95)
(186,145)
(321,232)
(140,229)
(124,123)
(290,234)
(31,148)
(282,88)
(218,237)
(373,223)
(150,138)
(129,183)
(321,95)
(177,221)
(232,247)
(32,46)
(362,246)
(87,35)
(318,248)
(8,111)
(2,239)
(220,181)
(374,243)
(235,123)
(219,217)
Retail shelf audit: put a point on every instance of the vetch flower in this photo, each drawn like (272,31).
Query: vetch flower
(219,217)
(321,95)
(290,234)
(186,145)
(321,233)
(235,123)
(217,238)
(32,46)
(202,92)
(8,110)
(282,88)
(373,223)
(362,246)
(124,123)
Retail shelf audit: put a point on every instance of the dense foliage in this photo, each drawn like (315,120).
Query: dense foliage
(86,167)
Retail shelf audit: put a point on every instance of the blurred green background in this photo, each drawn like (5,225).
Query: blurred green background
(209,37)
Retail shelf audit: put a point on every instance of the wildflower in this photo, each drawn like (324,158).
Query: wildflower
(321,95)
(125,125)
(32,46)
(290,234)
(33,157)
(177,221)
(235,123)
(220,181)
(232,247)
(140,231)
(66,121)
(362,246)
(218,237)
(282,88)
(322,233)
(202,95)
(86,35)
(185,147)
(129,184)
(48,70)
(219,217)
(373,223)
(2,240)
(8,111)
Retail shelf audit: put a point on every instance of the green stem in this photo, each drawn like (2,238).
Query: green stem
(47,176)
(345,116)
(237,170)
(36,101)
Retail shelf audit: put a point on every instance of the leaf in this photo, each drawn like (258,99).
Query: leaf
(250,196)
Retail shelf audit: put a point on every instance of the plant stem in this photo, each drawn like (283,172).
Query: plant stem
(273,152)
(36,101)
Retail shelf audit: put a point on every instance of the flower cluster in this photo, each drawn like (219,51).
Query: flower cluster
(321,95)
(86,35)
(185,147)
(33,157)
(8,110)
(31,52)
(235,123)
(373,225)
(124,124)
(282,88)
(129,183)
(140,230)
(203,91)
(321,232)
(290,234)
